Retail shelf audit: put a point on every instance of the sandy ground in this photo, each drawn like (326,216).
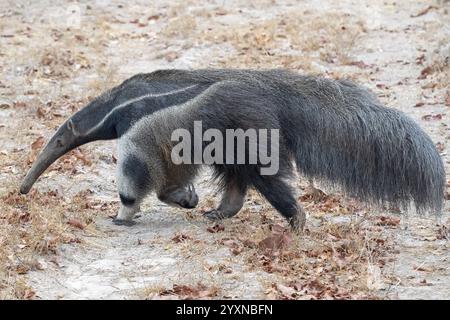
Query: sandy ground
(395,42)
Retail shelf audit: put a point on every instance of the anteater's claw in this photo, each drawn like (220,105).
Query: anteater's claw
(213,215)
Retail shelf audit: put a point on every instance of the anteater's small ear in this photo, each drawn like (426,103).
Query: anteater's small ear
(71,127)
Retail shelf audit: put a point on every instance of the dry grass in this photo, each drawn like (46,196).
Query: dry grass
(41,92)
(335,258)
(288,41)
(35,225)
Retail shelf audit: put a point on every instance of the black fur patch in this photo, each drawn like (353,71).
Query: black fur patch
(126,201)
(136,170)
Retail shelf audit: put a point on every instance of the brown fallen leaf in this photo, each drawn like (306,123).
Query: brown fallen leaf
(277,229)
(440,147)
(341,260)
(191,292)
(429,117)
(286,292)
(181,238)
(388,221)
(419,104)
(38,143)
(443,233)
(76,223)
(35,147)
(420,59)
(221,12)
(313,194)
(275,242)
(359,64)
(423,269)
(430,85)
(81,156)
(249,243)
(171,56)
(216,228)
(423,11)
(425,72)
(19,104)
(29,294)
(41,112)
(234,245)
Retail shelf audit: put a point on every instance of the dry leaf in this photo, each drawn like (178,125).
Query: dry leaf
(423,11)
(171,56)
(440,147)
(359,64)
(216,228)
(19,104)
(287,292)
(191,292)
(275,242)
(29,294)
(419,104)
(429,117)
(425,72)
(76,223)
(81,156)
(38,143)
(388,221)
(181,238)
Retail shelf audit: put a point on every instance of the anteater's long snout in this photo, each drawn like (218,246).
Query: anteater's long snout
(62,142)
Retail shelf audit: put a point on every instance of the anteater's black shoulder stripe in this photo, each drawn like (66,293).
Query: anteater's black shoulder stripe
(127,201)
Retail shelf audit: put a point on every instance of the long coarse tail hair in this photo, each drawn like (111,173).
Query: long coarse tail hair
(344,135)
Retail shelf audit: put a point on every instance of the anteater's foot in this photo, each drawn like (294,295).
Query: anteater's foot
(121,222)
(297,222)
(215,215)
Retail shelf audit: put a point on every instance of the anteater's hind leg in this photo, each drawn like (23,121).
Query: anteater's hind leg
(232,199)
(281,197)
(133,185)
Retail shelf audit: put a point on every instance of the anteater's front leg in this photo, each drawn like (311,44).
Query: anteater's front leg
(133,183)
(128,208)
(232,200)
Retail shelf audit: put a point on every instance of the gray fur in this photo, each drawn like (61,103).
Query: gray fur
(333,130)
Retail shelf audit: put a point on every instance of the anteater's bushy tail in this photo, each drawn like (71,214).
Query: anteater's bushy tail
(375,153)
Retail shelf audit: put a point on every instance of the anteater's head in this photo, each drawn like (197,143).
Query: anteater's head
(82,127)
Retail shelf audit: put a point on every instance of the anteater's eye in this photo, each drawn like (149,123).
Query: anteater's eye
(59,143)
